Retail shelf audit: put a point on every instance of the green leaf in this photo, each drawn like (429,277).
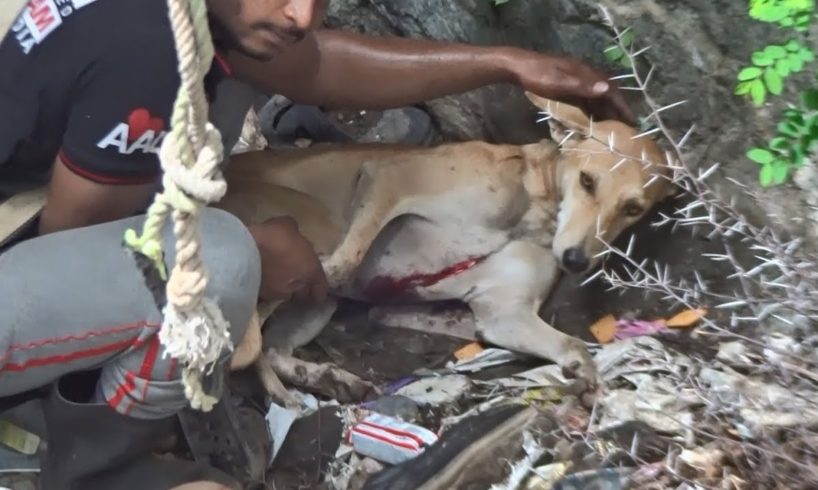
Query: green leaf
(782,67)
(780,172)
(765,176)
(614,53)
(807,55)
(793,46)
(809,99)
(773,81)
(761,59)
(626,62)
(742,88)
(780,143)
(796,155)
(760,155)
(749,73)
(757,92)
(796,62)
(627,38)
(775,52)
(788,129)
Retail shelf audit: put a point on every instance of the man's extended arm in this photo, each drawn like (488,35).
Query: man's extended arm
(348,70)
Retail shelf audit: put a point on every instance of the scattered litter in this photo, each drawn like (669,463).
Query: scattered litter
(686,318)
(762,405)
(436,390)
(521,469)
(18,439)
(638,355)
(302,143)
(609,328)
(468,351)
(701,462)
(546,476)
(399,383)
(389,440)
(626,329)
(604,330)
(543,376)
(280,419)
(608,478)
(398,406)
(734,353)
(484,359)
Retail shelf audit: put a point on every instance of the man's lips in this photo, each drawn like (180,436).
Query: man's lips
(279,38)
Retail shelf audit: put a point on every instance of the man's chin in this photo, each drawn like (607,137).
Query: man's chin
(258,54)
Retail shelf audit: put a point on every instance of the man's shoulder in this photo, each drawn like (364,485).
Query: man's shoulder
(97,25)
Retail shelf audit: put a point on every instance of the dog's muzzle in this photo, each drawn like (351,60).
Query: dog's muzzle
(575,260)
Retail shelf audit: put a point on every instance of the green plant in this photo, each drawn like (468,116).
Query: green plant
(770,67)
(797,131)
(616,54)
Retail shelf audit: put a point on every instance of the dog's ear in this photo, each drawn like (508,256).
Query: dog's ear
(564,118)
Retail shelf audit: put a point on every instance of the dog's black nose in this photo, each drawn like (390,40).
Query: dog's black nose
(574,260)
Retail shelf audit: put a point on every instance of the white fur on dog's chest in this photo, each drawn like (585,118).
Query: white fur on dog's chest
(413,256)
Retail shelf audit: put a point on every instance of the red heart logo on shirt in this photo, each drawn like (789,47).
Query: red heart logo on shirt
(140,120)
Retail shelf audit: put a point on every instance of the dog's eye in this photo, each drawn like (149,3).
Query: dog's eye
(587,182)
(633,209)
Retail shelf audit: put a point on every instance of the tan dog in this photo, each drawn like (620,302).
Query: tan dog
(491,225)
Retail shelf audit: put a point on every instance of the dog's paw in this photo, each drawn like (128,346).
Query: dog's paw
(577,364)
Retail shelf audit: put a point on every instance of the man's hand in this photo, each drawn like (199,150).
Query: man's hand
(290,269)
(571,81)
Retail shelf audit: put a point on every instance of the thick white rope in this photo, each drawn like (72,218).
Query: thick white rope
(193,330)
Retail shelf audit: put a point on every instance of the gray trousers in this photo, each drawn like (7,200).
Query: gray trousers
(74,300)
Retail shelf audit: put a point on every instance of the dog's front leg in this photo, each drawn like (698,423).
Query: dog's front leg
(510,287)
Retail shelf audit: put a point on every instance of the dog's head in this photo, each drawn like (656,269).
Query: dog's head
(601,191)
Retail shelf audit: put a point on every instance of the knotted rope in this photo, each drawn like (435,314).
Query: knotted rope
(193,330)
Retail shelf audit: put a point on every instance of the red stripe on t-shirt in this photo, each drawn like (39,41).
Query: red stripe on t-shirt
(104,179)
(222,63)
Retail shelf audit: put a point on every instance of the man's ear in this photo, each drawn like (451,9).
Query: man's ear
(564,118)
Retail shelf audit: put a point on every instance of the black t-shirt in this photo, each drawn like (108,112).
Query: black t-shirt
(90,81)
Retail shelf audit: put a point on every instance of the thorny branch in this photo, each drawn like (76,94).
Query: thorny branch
(781,283)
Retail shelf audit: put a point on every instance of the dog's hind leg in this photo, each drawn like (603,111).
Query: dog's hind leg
(293,326)
(509,288)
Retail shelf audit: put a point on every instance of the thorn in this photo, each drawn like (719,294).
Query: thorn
(630,245)
(643,50)
(592,277)
(686,136)
(620,162)
(566,138)
(667,107)
(732,304)
(646,133)
(649,76)
(707,173)
(622,77)
(651,181)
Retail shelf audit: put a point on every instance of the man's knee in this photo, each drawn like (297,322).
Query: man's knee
(234,268)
